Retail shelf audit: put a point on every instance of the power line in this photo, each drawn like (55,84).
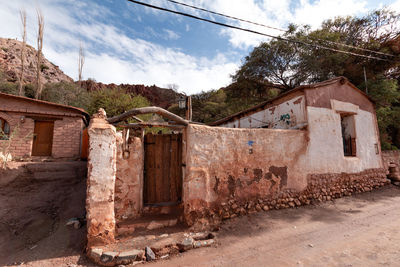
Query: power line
(224,15)
(278,29)
(258,33)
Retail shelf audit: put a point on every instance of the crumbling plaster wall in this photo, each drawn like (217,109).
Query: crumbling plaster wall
(325,151)
(286,115)
(129,179)
(224,163)
(101,181)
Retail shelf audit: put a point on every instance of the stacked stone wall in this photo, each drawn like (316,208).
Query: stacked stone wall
(321,187)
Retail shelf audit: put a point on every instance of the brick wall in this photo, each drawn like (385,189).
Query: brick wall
(21,145)
(67,137)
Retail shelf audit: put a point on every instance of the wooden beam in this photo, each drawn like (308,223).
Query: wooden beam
(147,110)
(150,125)
(136,118)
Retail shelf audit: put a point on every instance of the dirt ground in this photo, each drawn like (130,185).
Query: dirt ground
(33,215)
(361,230)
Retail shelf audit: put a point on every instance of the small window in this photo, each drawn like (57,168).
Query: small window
(349,135)
(4,129)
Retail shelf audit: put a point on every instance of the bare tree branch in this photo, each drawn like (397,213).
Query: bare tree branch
(39,85)
(22,14)
(81,62)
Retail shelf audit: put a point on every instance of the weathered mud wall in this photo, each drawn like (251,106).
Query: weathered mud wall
(101,181)
(325,152)
(240,164)
(286,115)
(228,171)
(321,187)
(129,179)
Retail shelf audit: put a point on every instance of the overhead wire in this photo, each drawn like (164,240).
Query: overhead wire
(257,32)
(275,28)
(224,15)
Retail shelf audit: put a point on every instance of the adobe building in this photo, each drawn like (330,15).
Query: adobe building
(40,128)
(313,143)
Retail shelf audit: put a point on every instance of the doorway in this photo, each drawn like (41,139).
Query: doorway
(162,169)
(43,138)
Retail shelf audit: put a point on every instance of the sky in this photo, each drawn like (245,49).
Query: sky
(128,43)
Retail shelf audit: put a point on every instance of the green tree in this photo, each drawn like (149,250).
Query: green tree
(9,88)
(115,101)
(67,94)
(386,94)
(292,64)
(274,62)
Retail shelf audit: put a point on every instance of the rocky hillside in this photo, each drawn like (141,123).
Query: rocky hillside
(10,64)
(160,97)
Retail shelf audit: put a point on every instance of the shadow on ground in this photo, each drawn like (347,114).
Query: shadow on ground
(33,215)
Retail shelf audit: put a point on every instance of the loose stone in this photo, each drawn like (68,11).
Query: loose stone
(150,256)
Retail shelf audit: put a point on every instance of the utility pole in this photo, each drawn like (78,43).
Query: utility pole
(365,80)
(185,102)
(189,108)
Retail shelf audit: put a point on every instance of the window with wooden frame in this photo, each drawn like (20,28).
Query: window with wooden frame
(4,129)
(349,135)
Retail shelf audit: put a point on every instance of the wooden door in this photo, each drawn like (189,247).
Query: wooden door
(162,169)
(42,138)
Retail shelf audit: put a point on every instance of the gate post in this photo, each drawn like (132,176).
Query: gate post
(101,181)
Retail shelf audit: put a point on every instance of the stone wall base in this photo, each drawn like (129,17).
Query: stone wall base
(321,187)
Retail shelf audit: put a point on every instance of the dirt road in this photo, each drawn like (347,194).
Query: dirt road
(361,230)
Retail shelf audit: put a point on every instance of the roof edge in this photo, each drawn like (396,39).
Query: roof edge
(299,88)
(24,98)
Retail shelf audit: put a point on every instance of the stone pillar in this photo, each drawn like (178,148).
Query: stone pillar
(101,181)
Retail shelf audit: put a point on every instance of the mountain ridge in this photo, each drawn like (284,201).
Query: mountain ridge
(10,65)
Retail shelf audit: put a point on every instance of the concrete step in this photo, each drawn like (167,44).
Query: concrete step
(48,171)
(163,208)
(55,166)
(55,175)
(146,223)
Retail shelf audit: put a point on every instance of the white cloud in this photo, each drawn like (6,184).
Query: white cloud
(395,6)
(112,56)
(279,14)
(314,13)
(171,35)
